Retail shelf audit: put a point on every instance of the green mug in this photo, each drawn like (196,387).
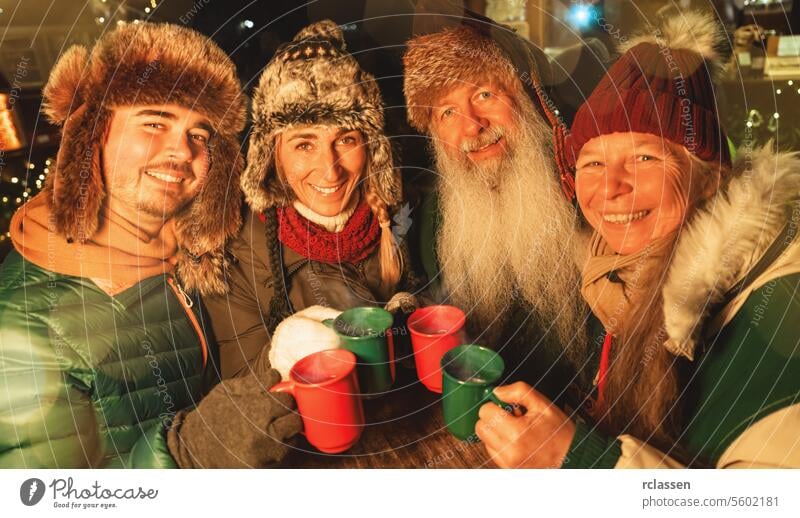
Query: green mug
(367,333)
(469,375)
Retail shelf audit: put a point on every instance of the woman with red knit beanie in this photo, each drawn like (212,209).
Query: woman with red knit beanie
(321,186)
(693,271)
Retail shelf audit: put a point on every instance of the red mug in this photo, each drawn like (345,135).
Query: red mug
(434,331)
(325,387)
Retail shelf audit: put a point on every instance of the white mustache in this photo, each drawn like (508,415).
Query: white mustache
(490,136)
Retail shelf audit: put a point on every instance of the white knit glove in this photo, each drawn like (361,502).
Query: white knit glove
(300,335)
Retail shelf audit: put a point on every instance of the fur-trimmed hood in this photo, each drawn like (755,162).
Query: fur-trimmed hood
(140,64)
(726,238)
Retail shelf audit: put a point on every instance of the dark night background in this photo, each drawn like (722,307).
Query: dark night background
(33,33)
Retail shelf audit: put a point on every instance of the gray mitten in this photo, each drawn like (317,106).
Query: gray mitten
(238,424)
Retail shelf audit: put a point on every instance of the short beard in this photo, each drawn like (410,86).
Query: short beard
(161,210)
(508,232)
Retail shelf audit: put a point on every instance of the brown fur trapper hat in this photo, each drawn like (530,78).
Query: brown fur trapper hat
(139,64)
(313,80)
(434,63)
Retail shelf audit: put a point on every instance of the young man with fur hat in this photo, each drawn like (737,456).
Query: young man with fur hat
(693,270)
(320,184)
(100,344)
(503,235)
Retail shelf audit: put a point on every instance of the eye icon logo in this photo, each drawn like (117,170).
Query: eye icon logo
(31,491)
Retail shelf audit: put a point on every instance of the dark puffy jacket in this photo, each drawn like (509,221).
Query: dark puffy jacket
(243,320)
(90,380)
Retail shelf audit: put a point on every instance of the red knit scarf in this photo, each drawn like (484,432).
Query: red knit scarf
(352,245)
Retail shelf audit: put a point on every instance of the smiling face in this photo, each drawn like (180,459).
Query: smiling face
(472,123)
(322,164)
(155,160)
(634,188)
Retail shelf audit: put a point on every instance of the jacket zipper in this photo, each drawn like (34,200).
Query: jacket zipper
(187,303)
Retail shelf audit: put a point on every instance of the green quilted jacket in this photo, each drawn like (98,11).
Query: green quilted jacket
(90,380)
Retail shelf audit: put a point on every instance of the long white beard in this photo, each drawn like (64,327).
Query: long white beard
(508,232)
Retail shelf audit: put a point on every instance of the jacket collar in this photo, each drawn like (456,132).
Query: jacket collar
(725,238)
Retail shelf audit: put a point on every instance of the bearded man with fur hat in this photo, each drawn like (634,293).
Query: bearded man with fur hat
(100,346)
(504,233)
(320,184)
(693,271)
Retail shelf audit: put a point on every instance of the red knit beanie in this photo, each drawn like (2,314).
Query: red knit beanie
(661,85)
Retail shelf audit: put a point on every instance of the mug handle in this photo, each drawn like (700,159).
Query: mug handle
(488,394)
(283,386)
(288,387)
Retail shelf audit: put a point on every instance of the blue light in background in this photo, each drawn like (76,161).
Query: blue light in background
(580,16)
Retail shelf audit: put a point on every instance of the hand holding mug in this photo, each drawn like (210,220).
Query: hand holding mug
(469,374)
(538,439)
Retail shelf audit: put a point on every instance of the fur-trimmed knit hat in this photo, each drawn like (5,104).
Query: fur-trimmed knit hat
(139,64)
(662,84)
(467,54)
(313,80)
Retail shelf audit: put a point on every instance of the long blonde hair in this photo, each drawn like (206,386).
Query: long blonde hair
(643,385)
(391,259)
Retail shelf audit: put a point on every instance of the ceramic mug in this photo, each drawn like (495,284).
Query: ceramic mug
(325,387)
(469,375)
(434,331)
(367,333)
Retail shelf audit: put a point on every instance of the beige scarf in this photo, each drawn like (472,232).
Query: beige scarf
(118,256)
(613,284)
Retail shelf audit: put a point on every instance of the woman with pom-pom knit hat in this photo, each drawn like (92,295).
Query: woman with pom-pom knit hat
(693,271)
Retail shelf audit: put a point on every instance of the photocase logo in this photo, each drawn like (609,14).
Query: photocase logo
(31,491)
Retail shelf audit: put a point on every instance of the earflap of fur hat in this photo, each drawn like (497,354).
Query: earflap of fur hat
(77,184)
(262,192)
(215,214)
(384,179)
(213,217)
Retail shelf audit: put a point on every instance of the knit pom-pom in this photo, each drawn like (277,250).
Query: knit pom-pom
(325,29)
(697,31)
